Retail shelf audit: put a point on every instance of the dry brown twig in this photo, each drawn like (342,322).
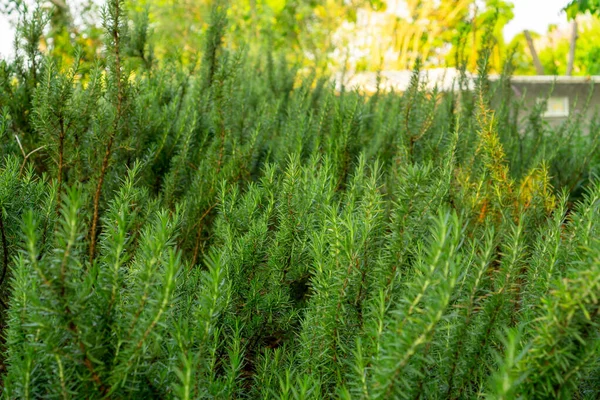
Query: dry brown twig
(26,156)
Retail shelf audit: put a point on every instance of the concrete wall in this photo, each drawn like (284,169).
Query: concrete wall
(530,88)
(577,94)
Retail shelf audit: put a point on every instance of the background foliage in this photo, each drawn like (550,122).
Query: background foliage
(320,34)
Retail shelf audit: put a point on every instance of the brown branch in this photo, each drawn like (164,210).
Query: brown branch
(539,69)
(86,360)
(61,146)
(60,4)
(572,46)
(26,156)
(4,252)
(71,326)
(199,233)
(107,154)
(482,345)
(97,197)
(222,138)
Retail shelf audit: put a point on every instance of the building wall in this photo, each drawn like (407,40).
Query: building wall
(576,94)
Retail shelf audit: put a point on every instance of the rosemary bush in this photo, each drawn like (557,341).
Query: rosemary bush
(234,228)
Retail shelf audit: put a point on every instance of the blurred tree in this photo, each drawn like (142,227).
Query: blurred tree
(432,30)
(587,58)
(369,34)
(62,33)
(486,24)
(521,54)
(573,9)
(303,28)
(576,7)
(554,47)
(395,34)
(539,68)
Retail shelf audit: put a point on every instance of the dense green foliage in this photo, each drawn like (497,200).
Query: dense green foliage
(234,229)
(582,6)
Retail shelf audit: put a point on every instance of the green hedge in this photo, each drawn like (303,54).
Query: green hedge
(239,229)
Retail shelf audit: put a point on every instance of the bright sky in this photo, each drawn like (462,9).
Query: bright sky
(6,36)
(534,15)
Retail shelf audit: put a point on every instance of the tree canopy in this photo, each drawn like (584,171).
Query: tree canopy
(325,34)
(581,6)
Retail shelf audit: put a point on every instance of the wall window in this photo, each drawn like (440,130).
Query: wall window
(556,107)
